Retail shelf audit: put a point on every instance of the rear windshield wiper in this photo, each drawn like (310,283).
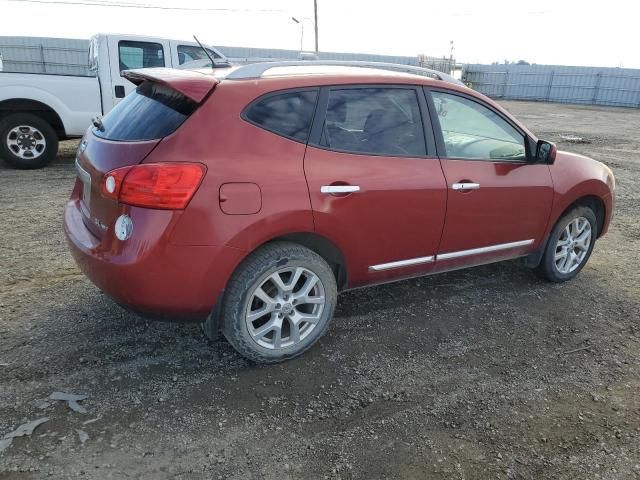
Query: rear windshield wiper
(97,122)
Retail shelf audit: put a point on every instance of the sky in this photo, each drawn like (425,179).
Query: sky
(564,32)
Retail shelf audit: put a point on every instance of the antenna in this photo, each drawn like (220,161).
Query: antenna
(206,52)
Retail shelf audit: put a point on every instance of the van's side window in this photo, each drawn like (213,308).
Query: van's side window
(140,55)
(288,114)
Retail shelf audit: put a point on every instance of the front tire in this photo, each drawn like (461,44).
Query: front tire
(278,303)
(27,141)
(570,245)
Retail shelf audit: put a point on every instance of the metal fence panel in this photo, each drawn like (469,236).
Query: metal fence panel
(58,56)
(556,83)
(252,55)
(63,56)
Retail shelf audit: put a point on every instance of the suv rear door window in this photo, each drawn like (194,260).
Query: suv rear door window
(288,114)
(379,121)
(140,55)
(151,112)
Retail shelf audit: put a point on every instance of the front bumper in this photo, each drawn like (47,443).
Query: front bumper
(146,272)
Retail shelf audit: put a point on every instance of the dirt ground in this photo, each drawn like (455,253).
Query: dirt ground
(479,374)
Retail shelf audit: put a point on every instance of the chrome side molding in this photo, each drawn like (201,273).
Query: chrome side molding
(490,248)
(449,256)
(401,263)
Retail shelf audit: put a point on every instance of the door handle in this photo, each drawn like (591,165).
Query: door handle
(465,186)
(339,188)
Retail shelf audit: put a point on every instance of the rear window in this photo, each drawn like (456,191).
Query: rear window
(288,114)
(152,111)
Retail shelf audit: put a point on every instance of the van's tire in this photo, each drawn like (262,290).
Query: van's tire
(27,141)
(570,245)
(254,287)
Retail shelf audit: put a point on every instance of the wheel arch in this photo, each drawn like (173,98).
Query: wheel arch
(324,247)
(25,105)
(593,202)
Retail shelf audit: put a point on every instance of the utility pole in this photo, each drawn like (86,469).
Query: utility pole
(315,21)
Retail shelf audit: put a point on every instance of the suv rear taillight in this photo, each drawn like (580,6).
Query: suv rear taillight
(167,186)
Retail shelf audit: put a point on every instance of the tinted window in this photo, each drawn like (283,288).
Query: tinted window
(471,130)
(190,53)
(383,121)
(140,55)
(287,114)
(149,113)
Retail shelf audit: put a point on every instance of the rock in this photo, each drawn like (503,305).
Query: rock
(23,430)
(83,436)
(574,139)
(72,400)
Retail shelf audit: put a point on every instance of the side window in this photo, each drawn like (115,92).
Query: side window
(140,55)
(379,121)
(471,130)
(191,53)
(288,114)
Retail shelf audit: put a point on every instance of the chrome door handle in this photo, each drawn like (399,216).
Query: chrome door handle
(465,186)
(339,188)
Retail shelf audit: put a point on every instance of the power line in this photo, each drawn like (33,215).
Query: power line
(116,4)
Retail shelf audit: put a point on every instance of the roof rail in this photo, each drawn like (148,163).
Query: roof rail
(256,70)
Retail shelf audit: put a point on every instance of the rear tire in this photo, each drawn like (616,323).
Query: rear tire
(27,141)
(570,245)
(278,303)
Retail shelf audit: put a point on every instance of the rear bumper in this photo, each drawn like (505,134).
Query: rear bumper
(146,273)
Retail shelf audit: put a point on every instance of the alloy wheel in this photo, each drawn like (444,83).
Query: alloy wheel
(573,245)
(285,308)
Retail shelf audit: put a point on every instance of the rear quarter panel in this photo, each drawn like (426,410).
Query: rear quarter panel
(236,151)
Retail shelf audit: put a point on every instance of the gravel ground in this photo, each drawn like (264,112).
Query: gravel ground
(483,373)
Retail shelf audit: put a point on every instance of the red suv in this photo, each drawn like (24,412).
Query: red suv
(248,197)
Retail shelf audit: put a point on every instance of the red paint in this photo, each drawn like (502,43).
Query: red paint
(191,84)
(398,213)
(240,198)
(513,203)
(260,186)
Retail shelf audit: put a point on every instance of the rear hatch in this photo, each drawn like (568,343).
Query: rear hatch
(162,102)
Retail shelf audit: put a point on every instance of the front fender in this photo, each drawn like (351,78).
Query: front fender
(577,177)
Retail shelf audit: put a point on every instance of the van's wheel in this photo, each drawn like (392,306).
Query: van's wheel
(278,303)
(27,141)
(570,245)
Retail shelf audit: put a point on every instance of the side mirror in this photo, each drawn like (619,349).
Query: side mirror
(546,152)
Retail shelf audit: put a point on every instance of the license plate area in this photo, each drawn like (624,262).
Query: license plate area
(85,178)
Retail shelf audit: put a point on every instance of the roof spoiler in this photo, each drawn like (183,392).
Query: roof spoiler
(193,85)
